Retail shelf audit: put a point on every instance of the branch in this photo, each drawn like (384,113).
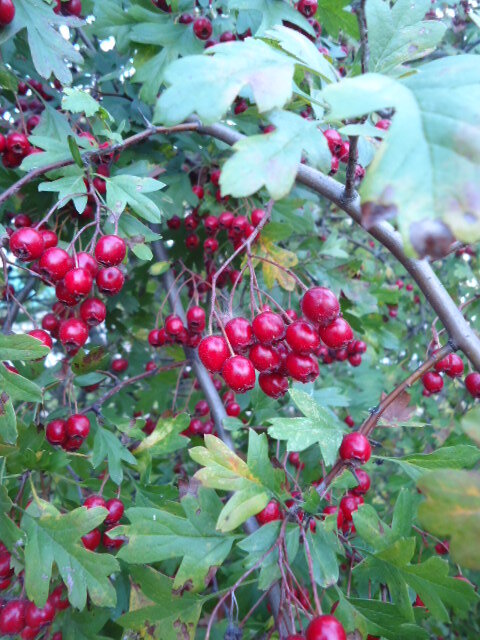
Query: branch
(351,165)
(14,308)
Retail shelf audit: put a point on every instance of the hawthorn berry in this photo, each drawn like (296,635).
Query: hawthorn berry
(12,617)
(91,540)
(268,327)
(225,220)
(363,482)
(233,409)
(79,282)
(77,426)
(302,337)
(308,8)
(472,383)
(17,143)
(93,312)
(432,381)
(270,513)
(173,326)
(50,322)
(26,244)
(239,333)
(196,319)
(56,432)
(110,281)
(239,374)
(355,447)
(349,504)
(95,501)
(302,368)
(320,305)
(332,510)
(174,223)
(264,358)
(213,351)
(337,334)
(7,12)
(115,511)
(36,617)
(55,263)
(111,543)
(50,238)
(73,334)
(192,241)
(202,28)
(88,262)
(110,251)
(325,627)
(43,336)
(456,366)
(119,365)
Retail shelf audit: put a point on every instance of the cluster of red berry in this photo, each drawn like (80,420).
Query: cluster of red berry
(68,434)
(20,616)
(15,147)
(73,279)
(451,365)
(277,345)
(93,538)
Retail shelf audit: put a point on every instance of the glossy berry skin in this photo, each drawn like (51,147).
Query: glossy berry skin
(320,305)
(56,432)
(239,333)
(325,628)
(334,141)
(308,8)
(91,540)
(93,312)
(456,366)
(268,327)
(472,383)
(50,238)
(115,511)
(239,374)
(302,337)
(174,223)
(110,251)
(7,12)
(225,220)
(202,28)
(110,281)
(18,144)
(337,335)
(355,447)
(264,358)
(213,352)
(73,334)
(111,543)
(257,216)
(433,382)
(157,338)
(88,262)
(22,220)
(302,368)
(95,501)
(79,282)
(35,617)
(173,326)
(78,426)
(192,241)
(50,322)
(363,482)
(383,124)
(198,189)
(64,295)
(12,618)
(349,504)
(233,409)
(350,422)
(43,336)
(55,263)
(119,365)
(273,385)
(270,513)
(196,319)
(26,244)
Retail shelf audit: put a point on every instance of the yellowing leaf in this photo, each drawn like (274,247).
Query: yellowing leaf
(273,273)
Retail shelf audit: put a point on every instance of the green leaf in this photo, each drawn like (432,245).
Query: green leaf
(429,162)
(69,186)
(93,360)
(296,44)
(7,80)
(272,159)
(385,619)
(471,424)
(52,537)
(8,420)
(318,426)
(399,34)
(155,535)
(51,135)
(11,534)
(21,347)
(336,16)
(159,268)
(79,101)
(142,252)
(51,52)
(208,84)
(251,482)
(19,387)
(452,508)
(124,189)
(323,546)
(271,13)
(166,438)
(153,600)
(75,151)
(107,445)
(460,456)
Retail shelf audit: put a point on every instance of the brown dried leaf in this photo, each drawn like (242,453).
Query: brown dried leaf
(399,412)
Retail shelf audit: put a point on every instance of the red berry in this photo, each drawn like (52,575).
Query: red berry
(50,322)
(350,422)
(331,510)
(157,337)
(72,7)
(92,539)
(55,263)
(355,359)
(174,326)
(344,152)
(442,548)
(111,543)
(239,374)
(302,337)
(239,225)
(26,244)
(456,366)
(273,385)
(202,408)
(17,143)
(56,432)
(191,222)
(257,216)
(22,220)
(78,426)
(334,140)
(202,28)
(73,334)
(95,501)
(196,319)
(239,333)
(174,223)
(308,8)
(269,513)
(197,189)
(383,124)
(35,617)
(115,511)
(88,262)
(7,12)
(110,281)
(472,382)
(12,617)
(79,282)
(225,220)
(213,352)
(433,382)
(302,368)
(349,504)
(215,177)
(264,358)
(119,365)
(151,365)
(363,482)
(268,327)
(320,305)
(5,568)
(110,251)
(233,409)
(50,238)
(43,336)
(210,245)
(93,312)
(355,446)
(325,628)
(192,241)
(211,225)
(337,334)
